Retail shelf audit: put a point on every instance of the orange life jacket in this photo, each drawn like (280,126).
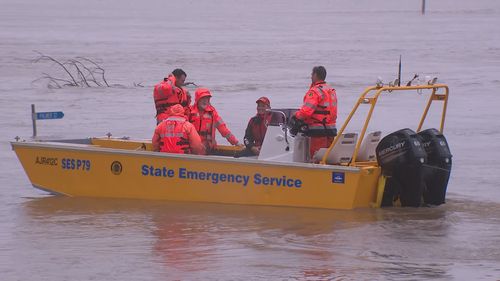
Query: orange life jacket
(207,122)
(319,110)
(173,137)
(166,94)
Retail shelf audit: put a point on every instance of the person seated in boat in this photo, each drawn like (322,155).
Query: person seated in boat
(170,92)
(257,127)
(176,135)
(318,112)
(206,120)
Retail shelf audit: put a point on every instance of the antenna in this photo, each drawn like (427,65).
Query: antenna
(399,73)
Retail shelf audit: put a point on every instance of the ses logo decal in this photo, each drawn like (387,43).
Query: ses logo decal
(338,177)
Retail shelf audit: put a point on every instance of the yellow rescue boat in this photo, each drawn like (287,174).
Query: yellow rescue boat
(347,174)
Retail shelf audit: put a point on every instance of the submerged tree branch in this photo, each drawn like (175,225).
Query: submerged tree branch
(78,72)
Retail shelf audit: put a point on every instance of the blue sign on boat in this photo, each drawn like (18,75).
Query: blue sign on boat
(49,115)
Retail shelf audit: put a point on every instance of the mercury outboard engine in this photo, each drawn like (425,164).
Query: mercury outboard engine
(438,168)
(402,157)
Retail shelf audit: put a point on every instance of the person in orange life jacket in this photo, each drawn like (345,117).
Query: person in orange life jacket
(206,120)
(257,127)
(176,135)
(318,112)
(170,92)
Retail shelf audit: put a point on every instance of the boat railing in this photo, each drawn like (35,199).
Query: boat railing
(370,97)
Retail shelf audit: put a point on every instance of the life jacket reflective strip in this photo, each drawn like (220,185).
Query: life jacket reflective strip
(175,118)
(310,105)
(170,135)
(218,123)
(173,138)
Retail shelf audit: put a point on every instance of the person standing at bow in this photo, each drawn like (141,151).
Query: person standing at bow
(206,120)
(176,135)
(170,92)
(319,111)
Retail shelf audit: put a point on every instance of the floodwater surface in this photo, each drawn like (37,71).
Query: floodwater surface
(242,50)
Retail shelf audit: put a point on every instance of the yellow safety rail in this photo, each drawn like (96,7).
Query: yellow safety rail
(364,99)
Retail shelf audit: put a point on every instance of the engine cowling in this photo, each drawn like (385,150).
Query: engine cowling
(402,158)
(438,168)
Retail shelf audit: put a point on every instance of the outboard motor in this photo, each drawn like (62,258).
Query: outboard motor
(402,157)
(438,168)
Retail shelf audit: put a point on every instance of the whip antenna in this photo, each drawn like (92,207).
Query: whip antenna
(399,73)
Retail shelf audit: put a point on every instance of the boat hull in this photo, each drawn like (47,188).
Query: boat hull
(96,171)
